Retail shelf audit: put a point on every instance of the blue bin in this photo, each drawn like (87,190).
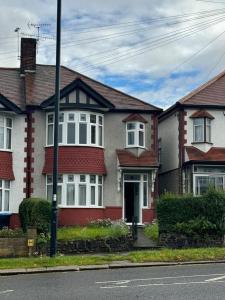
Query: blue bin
(4,219)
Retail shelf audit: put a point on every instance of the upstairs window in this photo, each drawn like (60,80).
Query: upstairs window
(4,195)
(5,133)
(76,128)
(135,134)
(202,130)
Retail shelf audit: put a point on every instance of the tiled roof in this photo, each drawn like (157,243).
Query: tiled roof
(214,154)
(128,159)
(6,166)
(40,86)
(76,160)
(210,93)
(202,114)
(135,117)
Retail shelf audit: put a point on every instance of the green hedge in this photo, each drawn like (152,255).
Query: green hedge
(192,215)
(35,212)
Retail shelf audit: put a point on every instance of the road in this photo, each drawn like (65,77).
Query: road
(172,283)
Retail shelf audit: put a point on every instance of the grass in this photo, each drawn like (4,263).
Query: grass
(152,231)
(91,233)
(164,255)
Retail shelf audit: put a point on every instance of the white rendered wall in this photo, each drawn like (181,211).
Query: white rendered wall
(18,145)
(169,135)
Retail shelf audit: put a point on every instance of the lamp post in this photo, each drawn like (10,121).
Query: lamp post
(53,242)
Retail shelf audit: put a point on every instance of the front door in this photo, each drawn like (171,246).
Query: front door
(132,201)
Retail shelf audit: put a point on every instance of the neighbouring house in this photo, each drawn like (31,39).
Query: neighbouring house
(108,157)
(192,141)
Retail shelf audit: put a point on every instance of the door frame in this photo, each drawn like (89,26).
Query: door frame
(140,195)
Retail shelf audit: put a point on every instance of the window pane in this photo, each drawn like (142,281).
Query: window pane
(100,120)
(82,194)
(9,122)
(1,137)
(141,138)
(59,194)
(198,134)
(93,118)
(145,196)
(83,117)
(131,138)
(132,177)
(70,200)
(60,178)
(60,133)
(141,126)
(6,204)
(7,184)
(0,200)
(82,178)
(92,195)
(93,134)
(99,179)
(50,134)
(71,133)
(99,195)
(50,118)
(71,178)
(100,135)
(199,121)
(92,179)
(208,133)
(131,126)
(0,183)
(49,192)
(71,117)
(202,184)
(8,138)
(83,133)
(61,117)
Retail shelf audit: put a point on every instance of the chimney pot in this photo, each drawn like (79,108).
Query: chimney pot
(28,55)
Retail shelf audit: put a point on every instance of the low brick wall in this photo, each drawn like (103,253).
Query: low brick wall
(172,240)
(11,247)
(95,246)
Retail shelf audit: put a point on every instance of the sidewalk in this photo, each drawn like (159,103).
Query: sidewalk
(115,265)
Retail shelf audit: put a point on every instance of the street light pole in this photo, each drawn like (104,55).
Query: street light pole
(53,242)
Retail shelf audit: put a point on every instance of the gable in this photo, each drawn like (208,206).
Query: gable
(79,94)
(7,105)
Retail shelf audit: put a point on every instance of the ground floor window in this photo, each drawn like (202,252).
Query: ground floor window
(77,190)
(4,195)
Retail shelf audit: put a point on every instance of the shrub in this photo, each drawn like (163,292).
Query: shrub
(5,232)
(190,215)
(152,231)
(35,212)
(100,223)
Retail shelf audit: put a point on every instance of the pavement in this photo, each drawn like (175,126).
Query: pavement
(174,282)
(114,265)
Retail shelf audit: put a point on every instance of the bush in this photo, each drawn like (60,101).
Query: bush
(100,223)
(35,212)
(5,232)
(191,215)
(152,231)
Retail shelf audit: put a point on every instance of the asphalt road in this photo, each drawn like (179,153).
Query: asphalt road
(174,282)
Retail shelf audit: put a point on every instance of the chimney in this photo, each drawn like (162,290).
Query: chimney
(28,55)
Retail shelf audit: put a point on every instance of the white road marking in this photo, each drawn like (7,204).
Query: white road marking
(156,278)
(215,279)
(160,284)
(6,291)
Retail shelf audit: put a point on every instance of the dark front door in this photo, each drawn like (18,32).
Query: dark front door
(131,201)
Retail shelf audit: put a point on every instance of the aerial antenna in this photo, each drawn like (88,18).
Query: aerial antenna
(37,26)
(17,30)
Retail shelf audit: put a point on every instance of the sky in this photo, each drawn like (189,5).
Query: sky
(157,51)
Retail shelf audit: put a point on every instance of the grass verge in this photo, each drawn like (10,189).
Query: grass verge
(164,255)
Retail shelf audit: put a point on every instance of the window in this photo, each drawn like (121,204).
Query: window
(135,134)
(76,128)
(5,133)
(77,190)
(203,182)
(202,130)
(4,195)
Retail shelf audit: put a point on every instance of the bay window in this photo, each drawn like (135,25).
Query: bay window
(76,128)
(202,130)
(4,195)
(5,133)
(77,190)
(135,136)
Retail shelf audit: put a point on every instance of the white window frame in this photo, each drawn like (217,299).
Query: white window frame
(205,127)
(5,129)
(77,121)
(136,131)
(3,189)
(212,175)
(77,181)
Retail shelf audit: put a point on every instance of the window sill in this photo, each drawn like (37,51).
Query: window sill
(75,145)
(135,146)
(6,150)
(73,206)
(209,143)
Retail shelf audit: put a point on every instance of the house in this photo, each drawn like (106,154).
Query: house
(108,158)
(192,141)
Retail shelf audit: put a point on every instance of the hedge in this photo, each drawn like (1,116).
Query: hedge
(35,212)
(188,214)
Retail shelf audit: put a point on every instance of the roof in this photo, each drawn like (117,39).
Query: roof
(135,117)
(34,88)
(128,159)
(214,154)
(210,93)
(76,160)
(201,114)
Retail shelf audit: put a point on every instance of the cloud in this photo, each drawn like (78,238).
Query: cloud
(123,56)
